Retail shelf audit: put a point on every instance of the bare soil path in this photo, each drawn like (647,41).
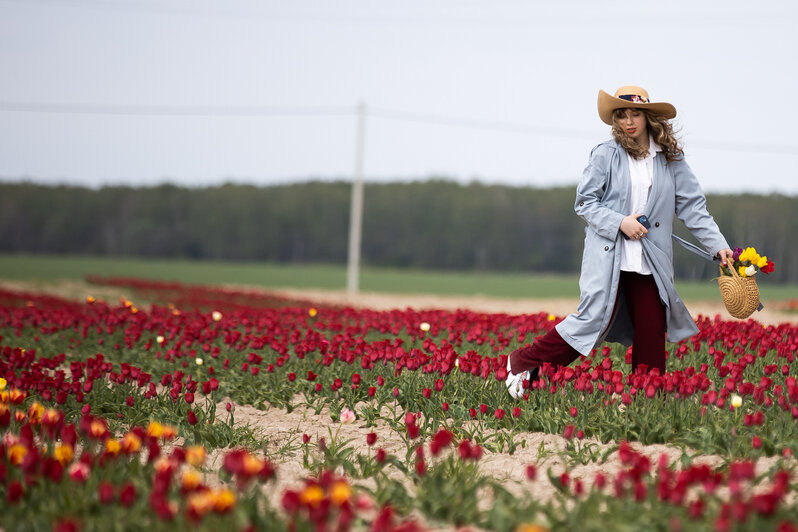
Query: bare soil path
(770,315)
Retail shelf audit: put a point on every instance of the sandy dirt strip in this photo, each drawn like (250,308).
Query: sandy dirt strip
(770,315)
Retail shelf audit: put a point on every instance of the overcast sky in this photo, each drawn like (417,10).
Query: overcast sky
(197,92)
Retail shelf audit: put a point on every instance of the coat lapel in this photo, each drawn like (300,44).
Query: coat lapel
(625,179)
(657,183)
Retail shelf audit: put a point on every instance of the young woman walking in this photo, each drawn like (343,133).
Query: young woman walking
(628,194)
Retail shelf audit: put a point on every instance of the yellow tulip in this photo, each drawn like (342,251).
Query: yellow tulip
(130,443)
(112,447)
(202,503)
(168,433)
(225,499)
(35,412)
(528,527)
(312,495)
(340,492)
(195,455)
(63,453)
(190,480)
(749,254)
(154,429)
(16,453)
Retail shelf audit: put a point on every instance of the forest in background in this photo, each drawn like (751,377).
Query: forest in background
(435,224)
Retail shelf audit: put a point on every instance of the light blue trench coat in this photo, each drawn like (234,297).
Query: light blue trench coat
(602,200)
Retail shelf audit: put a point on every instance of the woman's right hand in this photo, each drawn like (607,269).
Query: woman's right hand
(632,228)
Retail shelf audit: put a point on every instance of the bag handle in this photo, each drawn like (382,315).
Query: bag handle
(732,269)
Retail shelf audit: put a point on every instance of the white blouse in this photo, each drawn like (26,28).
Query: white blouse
(642,173)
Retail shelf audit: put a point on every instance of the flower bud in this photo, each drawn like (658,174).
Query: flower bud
(736,401)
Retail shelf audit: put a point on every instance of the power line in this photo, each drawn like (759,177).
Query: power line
(745,147)
(243,111)
(173,110)
(748,147)
(479,124)
(495,16)
(380,113)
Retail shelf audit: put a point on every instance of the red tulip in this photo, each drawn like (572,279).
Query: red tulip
(441,440)
(79,472)
(127,495)
(66,525)
(15,492)
(381,456)
(105,492)
(421,467)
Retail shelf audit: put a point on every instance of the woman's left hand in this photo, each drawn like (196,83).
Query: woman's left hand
(725,254)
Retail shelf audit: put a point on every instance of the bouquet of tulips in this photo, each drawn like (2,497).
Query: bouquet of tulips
(747,262)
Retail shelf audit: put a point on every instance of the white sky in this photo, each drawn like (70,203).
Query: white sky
(526,72)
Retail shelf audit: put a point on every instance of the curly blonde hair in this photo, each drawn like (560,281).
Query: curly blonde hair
(660,129)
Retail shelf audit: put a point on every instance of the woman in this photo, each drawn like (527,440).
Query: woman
(626,283)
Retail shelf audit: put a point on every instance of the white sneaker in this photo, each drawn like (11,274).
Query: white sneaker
(515,382)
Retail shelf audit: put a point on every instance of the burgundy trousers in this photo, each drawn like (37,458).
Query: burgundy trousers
(647,314)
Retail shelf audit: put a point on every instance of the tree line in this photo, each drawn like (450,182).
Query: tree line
(434,224)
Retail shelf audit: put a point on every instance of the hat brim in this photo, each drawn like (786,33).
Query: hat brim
(608,103)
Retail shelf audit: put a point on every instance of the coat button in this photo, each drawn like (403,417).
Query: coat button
(606,248)
(656,224)
(581,203)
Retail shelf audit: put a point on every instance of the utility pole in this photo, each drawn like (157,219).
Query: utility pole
(356,207)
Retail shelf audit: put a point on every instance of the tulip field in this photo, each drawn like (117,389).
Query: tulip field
(190,407)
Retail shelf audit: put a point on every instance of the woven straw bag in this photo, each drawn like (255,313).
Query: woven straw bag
(740,294)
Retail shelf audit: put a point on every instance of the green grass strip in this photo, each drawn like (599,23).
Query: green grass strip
(51,268)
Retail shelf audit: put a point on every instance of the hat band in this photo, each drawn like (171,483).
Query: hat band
(634,98)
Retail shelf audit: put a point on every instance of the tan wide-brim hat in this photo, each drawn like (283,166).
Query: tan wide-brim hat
(633,97)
